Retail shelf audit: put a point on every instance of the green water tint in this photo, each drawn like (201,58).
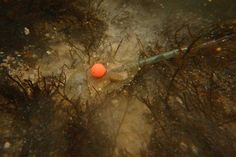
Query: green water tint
(169,54)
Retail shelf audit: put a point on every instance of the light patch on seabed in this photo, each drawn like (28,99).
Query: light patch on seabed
(124,121)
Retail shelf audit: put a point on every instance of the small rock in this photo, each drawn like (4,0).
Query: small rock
(162,6)
(47,35)
(7,145)
(34,56)
(115,101)
(194,149)
(214,77)
(179,100)
(183,146)
(48,52)
(125,92)
(26,31)
(218,49)
(119,76)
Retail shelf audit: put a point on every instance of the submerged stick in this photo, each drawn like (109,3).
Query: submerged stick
(170,54)
(160,57)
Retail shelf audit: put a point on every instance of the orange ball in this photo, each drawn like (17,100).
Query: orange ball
(98,70)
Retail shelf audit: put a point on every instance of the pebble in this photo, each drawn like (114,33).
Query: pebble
(48,52)
(179,100)
(47,35)
(194,149)
(26,31)
(215,78)
(34,56)
(121,76)
(218,49)
(7,145)
(183,146)
(125,92)
(115,101)
(162,6)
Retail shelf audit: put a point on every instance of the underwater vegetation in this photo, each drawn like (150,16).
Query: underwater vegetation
(77,78)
